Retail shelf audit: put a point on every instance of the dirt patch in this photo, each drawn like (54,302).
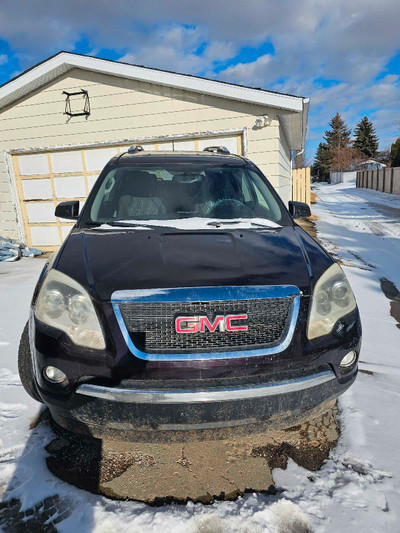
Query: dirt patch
(308,224)
(199,471)
(392,293)
(369,372)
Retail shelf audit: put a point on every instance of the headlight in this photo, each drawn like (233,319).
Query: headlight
(332,299)
(64,304)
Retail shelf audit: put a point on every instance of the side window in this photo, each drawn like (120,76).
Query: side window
(109,188)
(246,190)
(242,181)
(104,194)
(264,196)
(260,198)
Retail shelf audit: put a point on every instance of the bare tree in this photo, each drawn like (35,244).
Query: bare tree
(301,160)
(344,159)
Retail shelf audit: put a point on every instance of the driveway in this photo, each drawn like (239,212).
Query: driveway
(358,484)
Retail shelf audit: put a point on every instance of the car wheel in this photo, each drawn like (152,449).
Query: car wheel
(25,366)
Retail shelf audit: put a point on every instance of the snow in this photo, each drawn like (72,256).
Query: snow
(194,223)
(358,486)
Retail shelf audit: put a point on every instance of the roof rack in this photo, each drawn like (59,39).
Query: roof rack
(134,149)
(217,149)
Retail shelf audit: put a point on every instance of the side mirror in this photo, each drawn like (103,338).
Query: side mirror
(299,209)
(68,210)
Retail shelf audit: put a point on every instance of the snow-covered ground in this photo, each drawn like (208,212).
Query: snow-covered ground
(359,485)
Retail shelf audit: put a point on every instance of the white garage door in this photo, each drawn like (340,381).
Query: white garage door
(44,179)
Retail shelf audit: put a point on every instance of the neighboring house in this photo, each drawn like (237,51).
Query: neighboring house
(370,164)
(50,156)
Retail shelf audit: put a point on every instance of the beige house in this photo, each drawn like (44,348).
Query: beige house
(49,156)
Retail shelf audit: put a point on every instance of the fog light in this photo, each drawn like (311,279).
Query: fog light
(55,375)
(348,359)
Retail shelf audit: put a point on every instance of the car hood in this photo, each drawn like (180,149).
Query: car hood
(123,259)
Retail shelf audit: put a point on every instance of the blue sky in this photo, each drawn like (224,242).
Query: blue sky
(343,54)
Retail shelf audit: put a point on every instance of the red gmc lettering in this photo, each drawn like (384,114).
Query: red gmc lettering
(199,324)
(204,322)
(229,319)
(187,324)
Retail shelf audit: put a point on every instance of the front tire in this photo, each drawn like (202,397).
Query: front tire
(25,368)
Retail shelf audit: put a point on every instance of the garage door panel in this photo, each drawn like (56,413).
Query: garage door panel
(45,236)
(71,174)
(96,158)
(184,145)
(166,146)
(40,212)
(32,164)
(37,189)
(70,187)
(70,161)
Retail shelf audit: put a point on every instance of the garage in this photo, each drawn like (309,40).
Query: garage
(62,120)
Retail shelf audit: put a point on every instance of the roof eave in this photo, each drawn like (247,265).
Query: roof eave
(64,61)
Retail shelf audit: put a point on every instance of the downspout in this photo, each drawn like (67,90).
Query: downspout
(306,105)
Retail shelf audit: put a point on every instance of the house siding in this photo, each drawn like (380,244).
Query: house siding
(126,109)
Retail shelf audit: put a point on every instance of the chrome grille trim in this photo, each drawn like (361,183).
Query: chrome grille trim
(209,294)
(152,324)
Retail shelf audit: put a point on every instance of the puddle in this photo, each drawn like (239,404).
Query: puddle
(392,293)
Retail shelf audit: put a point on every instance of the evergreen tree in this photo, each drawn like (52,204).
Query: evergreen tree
(366,140)
(338,137)
(322,161)
(338,144)
(395,153)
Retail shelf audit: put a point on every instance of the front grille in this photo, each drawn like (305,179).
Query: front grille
(151,325)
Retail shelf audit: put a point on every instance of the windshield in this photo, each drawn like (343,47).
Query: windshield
(161,192)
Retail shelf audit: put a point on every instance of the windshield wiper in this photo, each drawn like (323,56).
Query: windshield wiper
(123,224)
(222,222)
(261,225)
(229,222)
(91,223)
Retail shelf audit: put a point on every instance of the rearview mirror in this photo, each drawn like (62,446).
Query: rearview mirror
(68,210)
(299,209)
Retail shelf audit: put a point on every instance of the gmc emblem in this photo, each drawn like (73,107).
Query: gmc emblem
(199,324)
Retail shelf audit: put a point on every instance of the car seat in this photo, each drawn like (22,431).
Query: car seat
(140,200)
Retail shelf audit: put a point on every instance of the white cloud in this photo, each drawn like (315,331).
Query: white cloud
(3,59)
(253,72)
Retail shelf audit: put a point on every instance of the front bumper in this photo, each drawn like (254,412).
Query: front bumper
(114,394)
(152,414)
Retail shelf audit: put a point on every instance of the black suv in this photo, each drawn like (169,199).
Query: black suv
(187,298)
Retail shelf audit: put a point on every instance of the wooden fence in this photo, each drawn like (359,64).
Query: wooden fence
(301,185)
(384,180)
